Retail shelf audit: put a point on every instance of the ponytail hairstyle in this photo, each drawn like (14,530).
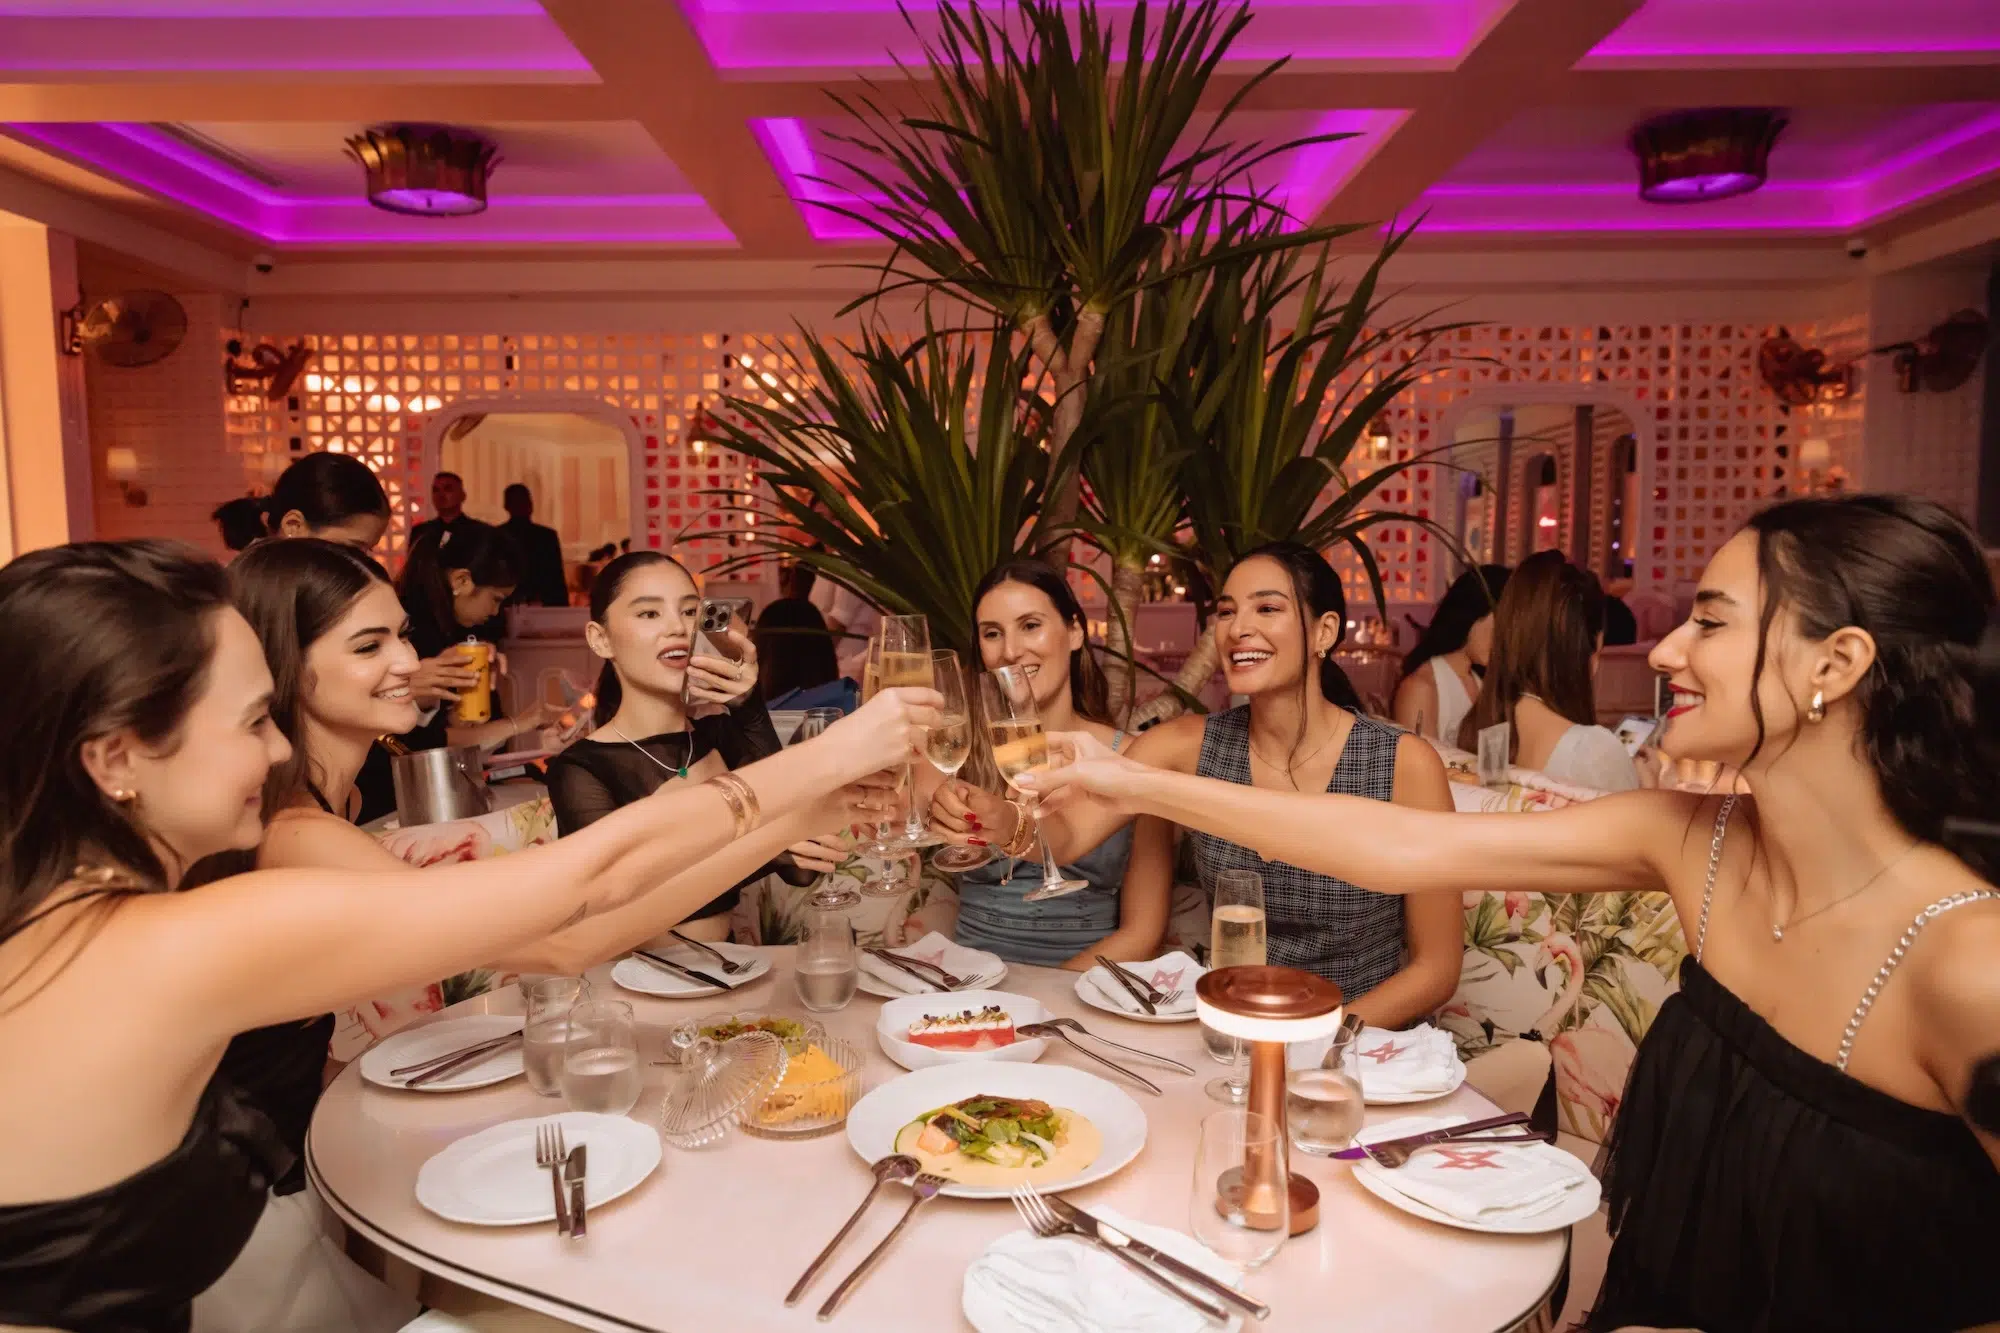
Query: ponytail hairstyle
(292,593)
(603,592)
(1909,573)
(1089,691)
(1472,597)
(487,555)
(1545,631)
(100,637)
(326,490)
(1316,592)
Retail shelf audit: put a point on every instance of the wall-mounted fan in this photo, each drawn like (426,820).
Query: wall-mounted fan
(274,370)
(1942,359)
(1799,375)
(134,328)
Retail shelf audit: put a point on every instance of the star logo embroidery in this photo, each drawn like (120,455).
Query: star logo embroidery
(1469,1159)
(1384,1053)
(1165,980)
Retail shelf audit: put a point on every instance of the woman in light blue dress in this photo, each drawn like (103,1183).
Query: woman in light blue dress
(1028,618)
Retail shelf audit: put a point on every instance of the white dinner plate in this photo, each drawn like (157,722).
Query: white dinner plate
(490,1179)
(897,1015)
(636,974)
(1091,996)
(1578,1204)
(992,968)
(427,1041)
(876,1120)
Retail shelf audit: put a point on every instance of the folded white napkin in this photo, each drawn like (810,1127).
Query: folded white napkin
(969,964)
(1401,1064)
(1024,1284)
(1176,971)
(1478,1182)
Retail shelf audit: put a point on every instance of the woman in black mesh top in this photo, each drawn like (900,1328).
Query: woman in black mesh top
(642,623)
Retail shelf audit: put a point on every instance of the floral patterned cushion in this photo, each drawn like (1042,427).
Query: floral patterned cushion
(1583,973)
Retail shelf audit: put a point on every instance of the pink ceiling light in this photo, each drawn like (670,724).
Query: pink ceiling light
(425,170)
(1689,157)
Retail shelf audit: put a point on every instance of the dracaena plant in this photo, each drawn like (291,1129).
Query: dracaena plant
(904,471)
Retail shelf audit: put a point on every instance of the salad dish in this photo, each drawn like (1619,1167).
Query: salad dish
(1000,1142)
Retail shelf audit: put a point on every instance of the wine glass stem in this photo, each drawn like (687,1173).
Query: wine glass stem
(913,820)
(1239,1069)
(1051,872)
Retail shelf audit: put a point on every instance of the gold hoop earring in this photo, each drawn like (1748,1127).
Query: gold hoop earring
(122,797)
(1816,710)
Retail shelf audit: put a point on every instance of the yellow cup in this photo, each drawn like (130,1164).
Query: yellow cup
(476,703)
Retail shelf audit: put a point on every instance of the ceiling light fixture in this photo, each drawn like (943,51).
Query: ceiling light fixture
(425,170)
(1689,157)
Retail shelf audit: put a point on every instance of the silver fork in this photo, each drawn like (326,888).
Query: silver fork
(730,967)
(1043,1221)
(549,1156)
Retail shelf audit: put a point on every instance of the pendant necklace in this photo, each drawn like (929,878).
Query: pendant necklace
(1778,931)
(680,772)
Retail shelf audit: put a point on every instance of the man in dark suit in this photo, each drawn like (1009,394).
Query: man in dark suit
(542,581)
(448,499)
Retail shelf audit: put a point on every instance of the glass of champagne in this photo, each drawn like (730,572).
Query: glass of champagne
(901,657)
(600,1068)
(1236,939)
(1014,729)
(831,890)
(546,1002)
(1323,1105)
(827,965)
(950,744)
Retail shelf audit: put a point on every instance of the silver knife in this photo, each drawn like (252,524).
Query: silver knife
(903,965)
(1131,989)
(686,972)
(1117,1239)
(573,1170)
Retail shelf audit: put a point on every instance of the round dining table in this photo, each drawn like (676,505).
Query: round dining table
(715,1237)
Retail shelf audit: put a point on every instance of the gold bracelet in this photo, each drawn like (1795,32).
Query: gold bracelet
(1024,830)
(732,790)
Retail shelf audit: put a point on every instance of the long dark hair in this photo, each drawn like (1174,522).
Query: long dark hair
(1470,599)
(610,690)
(1316,592)
(1545,631)
(326,489)
(794,650)
(292,593)
(1089,691)
(1912,575)
(101,637)
(487,555)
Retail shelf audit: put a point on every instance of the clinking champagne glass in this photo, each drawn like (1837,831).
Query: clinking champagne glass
(1236,939)
(950,744)
(1014,729)
(831,892)
(901,657)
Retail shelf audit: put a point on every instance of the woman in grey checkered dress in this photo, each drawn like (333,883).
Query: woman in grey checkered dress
(1279,619)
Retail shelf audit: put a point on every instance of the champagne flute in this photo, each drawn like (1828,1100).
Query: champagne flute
(1014,729)
(1236,939)
(830,892)
(900,655)
(950,744)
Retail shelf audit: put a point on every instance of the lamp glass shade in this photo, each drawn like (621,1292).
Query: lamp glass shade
(1280,1004)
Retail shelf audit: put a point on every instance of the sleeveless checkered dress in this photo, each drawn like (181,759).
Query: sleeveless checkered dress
(1350,936)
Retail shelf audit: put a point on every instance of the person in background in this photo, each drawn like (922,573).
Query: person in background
(448,499)
(851,618)
(1546,633)
(794,651)
(1027,617)
(239,521)
(1441,674)
(333,496)
(1278,622)
(542,582)
(1621,627)
(666,717)
(1801,1121)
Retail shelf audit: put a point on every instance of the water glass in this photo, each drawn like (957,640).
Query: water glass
(815,723)
(828,966)
(600,1065)
(546,1002)
(1240,1205)
(1323,1104)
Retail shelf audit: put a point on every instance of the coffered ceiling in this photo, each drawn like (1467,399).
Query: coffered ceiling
(693,127)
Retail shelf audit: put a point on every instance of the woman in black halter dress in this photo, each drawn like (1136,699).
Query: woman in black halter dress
(1796,1150)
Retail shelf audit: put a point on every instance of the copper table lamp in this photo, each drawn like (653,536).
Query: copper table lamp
(1267,1007)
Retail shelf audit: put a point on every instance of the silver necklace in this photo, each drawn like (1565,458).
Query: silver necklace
(1778,931)
(680,772)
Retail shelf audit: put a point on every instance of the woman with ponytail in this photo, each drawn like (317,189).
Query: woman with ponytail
(1799,1146)
(1278,622)
(666,717)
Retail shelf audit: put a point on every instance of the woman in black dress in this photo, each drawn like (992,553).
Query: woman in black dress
(135,739)
(667,715)
(1794,1149)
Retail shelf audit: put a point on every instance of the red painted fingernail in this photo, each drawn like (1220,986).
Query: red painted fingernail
(972,821)
(976,842)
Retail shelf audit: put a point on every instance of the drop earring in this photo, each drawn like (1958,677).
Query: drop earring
(1816,710)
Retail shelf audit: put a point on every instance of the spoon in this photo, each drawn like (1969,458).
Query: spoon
(896,1166)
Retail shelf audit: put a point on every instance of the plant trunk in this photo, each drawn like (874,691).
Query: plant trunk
(1128,579)
(1070,371)
(1194,675)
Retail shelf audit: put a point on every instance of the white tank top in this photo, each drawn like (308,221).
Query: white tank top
(1453,702)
